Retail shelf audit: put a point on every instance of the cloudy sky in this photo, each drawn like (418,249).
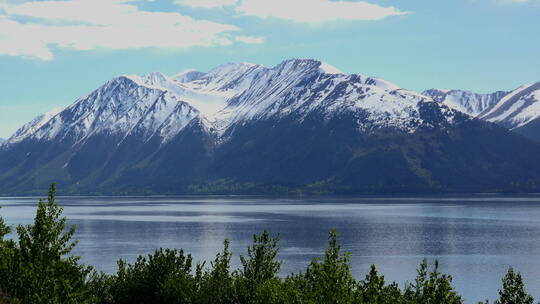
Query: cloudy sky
(52,52)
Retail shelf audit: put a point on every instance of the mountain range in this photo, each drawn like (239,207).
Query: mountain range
(302,126)
(517,110)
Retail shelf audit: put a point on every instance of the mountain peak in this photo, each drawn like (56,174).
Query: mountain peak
(32,126)
(306,64)
(231,66)
(153,79)
(155,76)
(329,69)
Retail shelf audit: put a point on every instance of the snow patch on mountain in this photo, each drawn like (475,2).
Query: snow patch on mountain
(465,101)
(329,69)
(188,76)
(31,127)
(208,102)
(516,109)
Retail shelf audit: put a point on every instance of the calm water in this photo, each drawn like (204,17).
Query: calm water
(475,238)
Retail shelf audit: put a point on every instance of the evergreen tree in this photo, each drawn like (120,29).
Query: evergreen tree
(99,286)
(39,269)
(431,287)
(217,283)
(331,280)
(513,291)
(297,290)
(6,253)
(372,289)
(260,269)
(261,265)
(4,229)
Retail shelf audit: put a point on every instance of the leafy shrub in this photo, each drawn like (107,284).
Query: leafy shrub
(162,277)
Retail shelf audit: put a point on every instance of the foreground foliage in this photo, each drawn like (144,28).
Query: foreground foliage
(39,268)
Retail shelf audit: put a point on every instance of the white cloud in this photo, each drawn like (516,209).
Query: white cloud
(250,39)
(16,40)
(313,11)
(95,24)
(206,3)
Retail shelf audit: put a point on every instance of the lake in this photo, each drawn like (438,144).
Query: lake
(476,238)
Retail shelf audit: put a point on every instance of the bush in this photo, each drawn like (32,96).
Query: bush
(161,277)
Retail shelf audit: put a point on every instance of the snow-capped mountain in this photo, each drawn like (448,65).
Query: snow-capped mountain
(517,110)
(146,106)
(157,105)
(299,88)
(466,101)
(246,128)
(122,107)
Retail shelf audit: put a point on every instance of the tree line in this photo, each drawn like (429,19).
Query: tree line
(37,268)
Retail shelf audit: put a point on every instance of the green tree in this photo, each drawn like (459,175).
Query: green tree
(297,290)
(260,269)
(432,287)
(513,289)
(6,247)
(217,283)
(372,290)
(99,285)
(4,229)
(39,269)
(330,280)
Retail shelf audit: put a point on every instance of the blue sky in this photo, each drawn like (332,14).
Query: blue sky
(52,52)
